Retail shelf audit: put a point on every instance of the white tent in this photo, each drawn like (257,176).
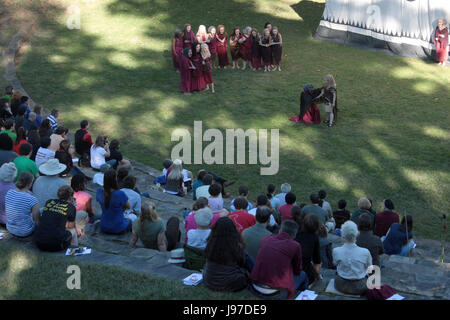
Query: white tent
(404,27)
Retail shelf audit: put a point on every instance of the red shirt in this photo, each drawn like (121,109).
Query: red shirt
(242,220)
(279,258)
(285,211)
(383,221)
(16,147)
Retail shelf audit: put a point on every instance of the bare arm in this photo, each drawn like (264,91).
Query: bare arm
(36,214)
(134,239)
(162,242)
(127,205)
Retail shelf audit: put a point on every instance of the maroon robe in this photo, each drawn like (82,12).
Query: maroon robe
(246,48)
(222,53)
(207,72)
(266,53)
(276,50)
(197,80)
(256,52)
(441,44)
(235,49)
(185,74)
(176,56)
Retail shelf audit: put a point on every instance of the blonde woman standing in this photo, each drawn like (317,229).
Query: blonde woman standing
(207,72)
(202,36)
(330,99)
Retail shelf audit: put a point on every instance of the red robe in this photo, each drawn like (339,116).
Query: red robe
(207,72)
(185,74)
(235,49)
(441,44)
(176,56)
(198,79)
(212,45)
(246,48)
(222,53)
(190,37)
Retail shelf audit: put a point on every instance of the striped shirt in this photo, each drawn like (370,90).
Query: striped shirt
(18,207)
(53,122)
(43,155)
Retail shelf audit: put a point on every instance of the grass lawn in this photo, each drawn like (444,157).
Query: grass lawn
(391,141)
(25,274)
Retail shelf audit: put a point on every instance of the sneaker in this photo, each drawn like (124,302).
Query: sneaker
(326,121)
(330,124)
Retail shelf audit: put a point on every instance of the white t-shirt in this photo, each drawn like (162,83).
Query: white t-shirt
(97,157)
(43,155)
(272,221)
(197,238)
(98,178)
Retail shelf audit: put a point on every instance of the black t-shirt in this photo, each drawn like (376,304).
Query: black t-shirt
(310,252)
(340,216)
(52,224)
(115,154)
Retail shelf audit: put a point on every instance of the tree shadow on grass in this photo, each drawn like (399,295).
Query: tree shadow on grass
(371,152)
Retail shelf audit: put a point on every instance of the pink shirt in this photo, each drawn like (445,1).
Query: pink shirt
(82,198)
(215,203)
(189,223)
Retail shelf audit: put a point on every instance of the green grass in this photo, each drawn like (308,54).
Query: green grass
(26,274)
(391,141)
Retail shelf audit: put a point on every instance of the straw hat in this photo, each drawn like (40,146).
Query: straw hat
(177,256)
(52,167)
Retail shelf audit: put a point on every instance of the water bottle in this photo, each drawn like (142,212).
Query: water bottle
(185,213)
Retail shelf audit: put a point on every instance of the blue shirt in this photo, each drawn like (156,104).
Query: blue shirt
(395,240)
(112,219)
(18,206)
(38,120)
(53,122)
(197,183)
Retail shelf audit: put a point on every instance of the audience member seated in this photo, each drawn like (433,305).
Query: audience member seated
(263,201)
(37,110)
(44,153)
(21,207)
(56,138)
(60,223)
(254,235)
(203,190)
(65,156)
(285,210)
(315,209)
(150,228)
(5,111)
(53,118)
(21,138)
(197,237)
(274,201)
(129,183)
(352,262)
(83,139)
(162,179)
(8,173)
(398,241)
(47,185)
(23,162)
(45,130)
(9,129)
(215,200)
(174,184)
(24,104)
(6,149)
(98,177)
(15,101)
(279,262)
(225,268)
(34,139)
(384,219)
(30,123)
(20,118)
(364,206)
(116,155)
(197,183)
(202,202)
(366,238)
(113,202)
(9,91)
(325,204)
(341,215)
(285,188)
(243,192)
(83,199)
(326,253)
(99,152)
(309,240)
(241,218)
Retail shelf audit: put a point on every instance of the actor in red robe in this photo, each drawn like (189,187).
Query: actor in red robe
(177,49)
(222,46)
(185,71)
(207,69)
(188,36)
(198,79)
(212,44)
(256,50)
(441,42)
(309,112)
(245,46)
(234,47)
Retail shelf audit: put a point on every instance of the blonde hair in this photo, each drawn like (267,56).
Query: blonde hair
(247,29)
(201,30)
(177,170)
(444,22)
(204,50)
(330,81)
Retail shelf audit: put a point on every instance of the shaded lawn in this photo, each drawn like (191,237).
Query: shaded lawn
(391,141)
(27,274)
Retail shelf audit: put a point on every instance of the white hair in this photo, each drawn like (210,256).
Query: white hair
(201,29)
(177,170)
(8,172)
(285,188)
(247,29)
(349,231)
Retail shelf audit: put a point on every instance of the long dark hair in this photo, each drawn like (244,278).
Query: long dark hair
(270,191)
(408,221)
(225,244)
(109,185)
(21,135)
(45,127)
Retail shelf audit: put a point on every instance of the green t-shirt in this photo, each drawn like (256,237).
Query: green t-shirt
(11,134)
(149,233)
(24,164)
(7,97)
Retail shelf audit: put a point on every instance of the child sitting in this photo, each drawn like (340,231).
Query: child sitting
(243,192)
(215,200)
(197,237)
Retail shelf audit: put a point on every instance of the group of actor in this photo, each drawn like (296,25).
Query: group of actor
(194,55)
